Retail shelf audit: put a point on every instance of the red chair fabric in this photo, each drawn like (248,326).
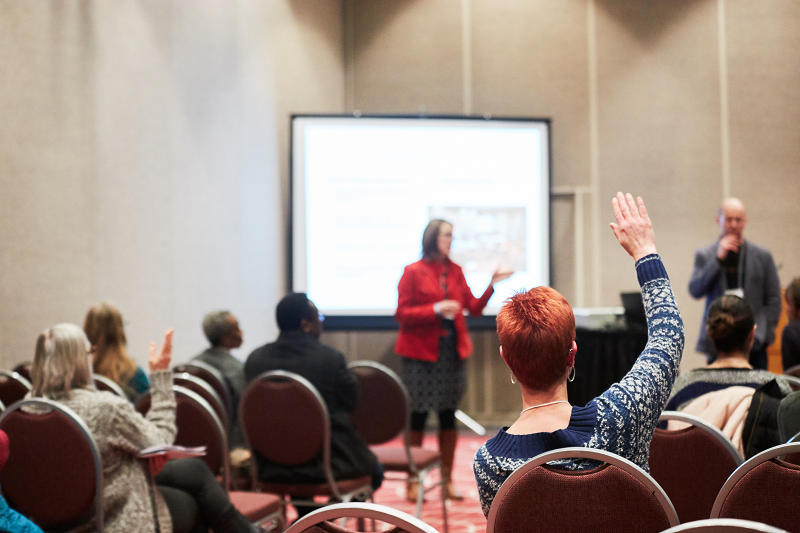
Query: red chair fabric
(616,497)
(53,474)
(285,419)
(764,489)
(207,392)
(212,376)
(691,465)
(13,387)
(382,414)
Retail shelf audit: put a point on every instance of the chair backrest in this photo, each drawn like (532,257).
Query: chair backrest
(692,464)
(764,489)
(613,497)
(54,473)
(793,371)
(207,392)
(793,381)
(285,420)
(13,387)
(382,412)
(24,370)
(725,525)
(108,385)
(212,376)
(198,425)
(321,520)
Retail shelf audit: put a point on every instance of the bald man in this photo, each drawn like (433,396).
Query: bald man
(733,265)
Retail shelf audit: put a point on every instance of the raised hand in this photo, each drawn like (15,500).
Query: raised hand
(501,275)
(159,360)
(633,229)
(728,243)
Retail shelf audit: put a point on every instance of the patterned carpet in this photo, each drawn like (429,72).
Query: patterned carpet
(464,516)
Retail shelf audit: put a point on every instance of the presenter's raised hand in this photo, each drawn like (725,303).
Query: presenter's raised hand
(500,275)
(633,229)
(159,360)
(728,243)
(449,308)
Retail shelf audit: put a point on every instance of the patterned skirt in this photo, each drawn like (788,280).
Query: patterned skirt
(436,386)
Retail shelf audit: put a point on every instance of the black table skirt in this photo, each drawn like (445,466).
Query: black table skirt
(603,358)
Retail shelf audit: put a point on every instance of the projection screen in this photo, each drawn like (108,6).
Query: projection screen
(364,188)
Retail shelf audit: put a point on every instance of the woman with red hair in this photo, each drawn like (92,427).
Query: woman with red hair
(537,342)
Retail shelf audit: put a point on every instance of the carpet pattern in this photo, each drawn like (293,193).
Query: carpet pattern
(464,516)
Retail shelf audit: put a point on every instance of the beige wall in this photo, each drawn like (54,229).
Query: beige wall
(143,160)
(144,144)
(681,102)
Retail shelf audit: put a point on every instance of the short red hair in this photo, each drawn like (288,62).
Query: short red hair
(536,330)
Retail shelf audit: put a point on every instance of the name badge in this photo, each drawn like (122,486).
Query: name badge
(735,292)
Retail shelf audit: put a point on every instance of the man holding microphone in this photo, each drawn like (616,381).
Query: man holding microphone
(735,266)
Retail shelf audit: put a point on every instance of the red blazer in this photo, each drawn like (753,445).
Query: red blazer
(420,326)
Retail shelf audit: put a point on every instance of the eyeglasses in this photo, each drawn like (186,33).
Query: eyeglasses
(321,317)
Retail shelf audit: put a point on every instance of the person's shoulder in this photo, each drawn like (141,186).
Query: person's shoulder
(755,249)
(261,350)
(708,248)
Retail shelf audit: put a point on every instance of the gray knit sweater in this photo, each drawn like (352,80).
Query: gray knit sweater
(120,433)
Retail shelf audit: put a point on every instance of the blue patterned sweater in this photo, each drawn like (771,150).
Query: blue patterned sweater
(622,419)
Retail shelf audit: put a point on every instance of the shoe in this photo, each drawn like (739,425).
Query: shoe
(447,448)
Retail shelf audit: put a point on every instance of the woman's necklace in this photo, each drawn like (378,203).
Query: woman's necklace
(542,405)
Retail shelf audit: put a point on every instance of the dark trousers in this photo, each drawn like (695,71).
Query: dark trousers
(758,357)
(195,499)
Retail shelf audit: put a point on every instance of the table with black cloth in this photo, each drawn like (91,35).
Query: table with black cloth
(603,358)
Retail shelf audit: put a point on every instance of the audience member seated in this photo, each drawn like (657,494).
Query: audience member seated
(721,392)
(537,332)
(103,326)
(10,520)
(299,350)
(222,331)
(790,339)
(188,499)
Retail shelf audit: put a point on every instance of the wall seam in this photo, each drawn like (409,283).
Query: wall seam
(466,56)
(594,164)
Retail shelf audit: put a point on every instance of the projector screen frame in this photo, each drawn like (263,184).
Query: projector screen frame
(387,322)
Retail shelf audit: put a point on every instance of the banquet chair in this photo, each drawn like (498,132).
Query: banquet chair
(382,414)
(724,525)
(792,371)
(104,384)
(13,387)
(793,381)
(321,520)
(213,377)
(199,425)
(692,464)
(207,392)
(24,370)
(54,473)
(614,497)
(285,421)
(764,489)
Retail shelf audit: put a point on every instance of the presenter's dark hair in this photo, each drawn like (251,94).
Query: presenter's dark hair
(430,238)
(730,321)
(793,293)
(293,309)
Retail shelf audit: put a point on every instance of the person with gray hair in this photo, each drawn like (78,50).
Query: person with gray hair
(222,331)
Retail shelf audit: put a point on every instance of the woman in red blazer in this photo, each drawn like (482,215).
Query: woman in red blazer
(433,340)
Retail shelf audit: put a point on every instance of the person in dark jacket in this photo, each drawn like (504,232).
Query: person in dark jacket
(299,350)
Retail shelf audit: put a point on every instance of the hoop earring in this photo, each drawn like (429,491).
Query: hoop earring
(513,379)
(571,377)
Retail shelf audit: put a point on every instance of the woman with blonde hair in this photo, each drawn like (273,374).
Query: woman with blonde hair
(187,497)
(104,328)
